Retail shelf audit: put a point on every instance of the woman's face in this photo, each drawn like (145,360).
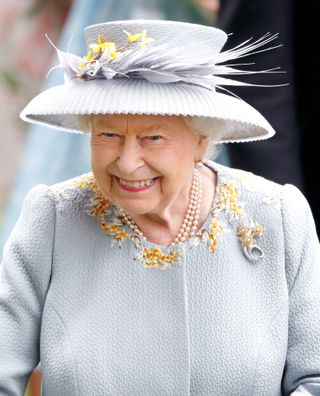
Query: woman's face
(144,163)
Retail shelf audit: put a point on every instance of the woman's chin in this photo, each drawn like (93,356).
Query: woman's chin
(135,207)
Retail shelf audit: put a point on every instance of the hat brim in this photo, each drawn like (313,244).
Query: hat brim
(68,107)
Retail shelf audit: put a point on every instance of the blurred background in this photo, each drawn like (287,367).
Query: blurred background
(25,58)
(31,154)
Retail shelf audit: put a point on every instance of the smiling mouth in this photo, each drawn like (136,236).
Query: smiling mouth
(137,185)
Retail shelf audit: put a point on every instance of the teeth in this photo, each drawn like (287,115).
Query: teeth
(136,184)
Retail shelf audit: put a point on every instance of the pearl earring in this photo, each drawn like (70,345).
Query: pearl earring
(198,164)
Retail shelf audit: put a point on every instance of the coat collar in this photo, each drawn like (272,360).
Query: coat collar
(228,213)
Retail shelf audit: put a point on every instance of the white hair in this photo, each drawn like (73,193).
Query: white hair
(204,126)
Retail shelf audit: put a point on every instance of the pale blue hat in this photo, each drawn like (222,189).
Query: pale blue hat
(153,67)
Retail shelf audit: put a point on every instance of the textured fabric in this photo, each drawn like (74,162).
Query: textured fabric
(218,324)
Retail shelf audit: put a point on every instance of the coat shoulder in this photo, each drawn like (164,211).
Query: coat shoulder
(73,188)
(252,182)
(257,190)
(252,190)
(80,194)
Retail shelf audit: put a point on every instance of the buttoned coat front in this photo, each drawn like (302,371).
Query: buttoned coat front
(233,311)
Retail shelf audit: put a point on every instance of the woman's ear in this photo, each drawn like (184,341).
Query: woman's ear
(203,142)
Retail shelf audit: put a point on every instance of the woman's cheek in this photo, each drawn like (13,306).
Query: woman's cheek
(103,155)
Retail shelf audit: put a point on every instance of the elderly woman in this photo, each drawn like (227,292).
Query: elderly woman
(215,289)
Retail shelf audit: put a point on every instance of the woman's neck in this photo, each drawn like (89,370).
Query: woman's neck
(162,228)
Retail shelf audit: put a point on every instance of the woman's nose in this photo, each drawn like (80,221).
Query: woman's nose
(130,156)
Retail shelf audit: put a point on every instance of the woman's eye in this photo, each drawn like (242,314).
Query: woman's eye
(154,138)
(109,135)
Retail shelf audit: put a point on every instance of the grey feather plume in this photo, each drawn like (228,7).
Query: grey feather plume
(159,63)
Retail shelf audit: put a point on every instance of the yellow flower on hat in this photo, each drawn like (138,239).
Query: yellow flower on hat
(141,37)
(101,45)
(132,38)
(90,62)
(111,47)
(88,57)
(144,40)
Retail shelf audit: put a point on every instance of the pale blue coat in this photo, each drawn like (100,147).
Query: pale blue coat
(110,321)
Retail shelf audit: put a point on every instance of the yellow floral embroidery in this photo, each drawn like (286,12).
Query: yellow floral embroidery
(114,230)
(154,258)
(229,200)
(210,236)
(214,230)
(65,190)
(100,207)
(271,193)
(226,201)
(98,202)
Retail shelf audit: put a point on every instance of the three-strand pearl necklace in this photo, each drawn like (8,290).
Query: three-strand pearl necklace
(191,218)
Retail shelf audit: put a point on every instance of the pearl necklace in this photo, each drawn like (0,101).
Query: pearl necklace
(191,218)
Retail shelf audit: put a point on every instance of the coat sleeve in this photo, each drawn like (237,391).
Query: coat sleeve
(24,279)
(302,369)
